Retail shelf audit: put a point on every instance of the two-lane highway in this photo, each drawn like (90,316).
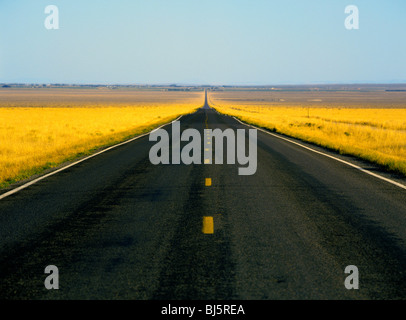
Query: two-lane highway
(119,227)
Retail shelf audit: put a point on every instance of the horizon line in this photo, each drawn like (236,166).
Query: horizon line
(179,84)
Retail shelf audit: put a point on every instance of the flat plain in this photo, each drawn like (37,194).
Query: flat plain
(40,128)
(367,122)
(119,227)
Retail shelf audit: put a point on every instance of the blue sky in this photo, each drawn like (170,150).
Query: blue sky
(261,42)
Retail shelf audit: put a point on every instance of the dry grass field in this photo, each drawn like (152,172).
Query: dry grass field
(42,128)
(369,125)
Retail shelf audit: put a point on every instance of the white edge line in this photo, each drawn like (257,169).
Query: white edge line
(8,193)
(326,155)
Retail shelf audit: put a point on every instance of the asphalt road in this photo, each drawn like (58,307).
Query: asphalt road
(118,227)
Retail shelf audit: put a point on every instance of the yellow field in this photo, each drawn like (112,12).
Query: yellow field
(35,138)
(374,134)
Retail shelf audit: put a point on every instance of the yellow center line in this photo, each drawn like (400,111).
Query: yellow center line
(208,225)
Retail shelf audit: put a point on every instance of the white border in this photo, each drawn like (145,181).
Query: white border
(10,192)
(327,155)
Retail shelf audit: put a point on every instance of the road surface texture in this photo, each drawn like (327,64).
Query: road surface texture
(119,227)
